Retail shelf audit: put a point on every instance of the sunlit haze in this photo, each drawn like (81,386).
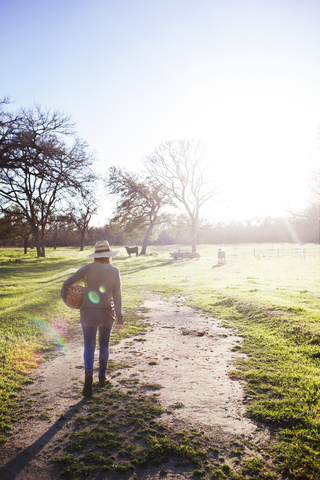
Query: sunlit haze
(242,76)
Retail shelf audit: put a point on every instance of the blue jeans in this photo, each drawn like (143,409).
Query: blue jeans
(89,337)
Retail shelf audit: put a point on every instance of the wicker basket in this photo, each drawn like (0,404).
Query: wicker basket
(74,296)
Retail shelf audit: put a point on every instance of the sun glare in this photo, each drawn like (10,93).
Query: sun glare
(255,149)
(23,357)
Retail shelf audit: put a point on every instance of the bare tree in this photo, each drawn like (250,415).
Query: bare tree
(178,167)
(81,211)
(41,163)
(140,202)
(58,224)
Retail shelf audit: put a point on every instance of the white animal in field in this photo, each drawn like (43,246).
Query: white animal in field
(221,257)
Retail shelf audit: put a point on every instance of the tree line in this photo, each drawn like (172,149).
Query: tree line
(63,233)
(48,192)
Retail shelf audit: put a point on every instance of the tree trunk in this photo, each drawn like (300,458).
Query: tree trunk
(36,240)
(55,238)
(43,249)
(25,243)
(82,240)
(43,243)
(146,238)
(193,237)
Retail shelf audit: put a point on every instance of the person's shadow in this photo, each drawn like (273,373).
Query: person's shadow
(10,470)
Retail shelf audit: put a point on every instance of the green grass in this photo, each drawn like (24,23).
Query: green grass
(269,294)
(126,436)
(29,331)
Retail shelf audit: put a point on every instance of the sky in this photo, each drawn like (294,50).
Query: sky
(242,76)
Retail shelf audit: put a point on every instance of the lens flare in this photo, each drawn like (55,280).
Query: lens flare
(102,289)
(94,297)
(56,332)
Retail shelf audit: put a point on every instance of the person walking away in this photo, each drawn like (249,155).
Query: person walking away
(102,300)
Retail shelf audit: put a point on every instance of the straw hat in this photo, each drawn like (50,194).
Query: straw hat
(102,249)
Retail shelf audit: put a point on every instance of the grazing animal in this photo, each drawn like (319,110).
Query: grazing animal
(221,257)
(132,250)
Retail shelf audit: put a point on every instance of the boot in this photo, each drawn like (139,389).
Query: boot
(87,389)
(102,380)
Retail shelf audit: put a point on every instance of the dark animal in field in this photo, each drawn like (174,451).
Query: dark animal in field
(221,257)
(132,250)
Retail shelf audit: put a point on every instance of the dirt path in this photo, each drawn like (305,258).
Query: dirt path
(194,357)
(188,353)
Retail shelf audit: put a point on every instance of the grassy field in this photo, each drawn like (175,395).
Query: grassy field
(269,293)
